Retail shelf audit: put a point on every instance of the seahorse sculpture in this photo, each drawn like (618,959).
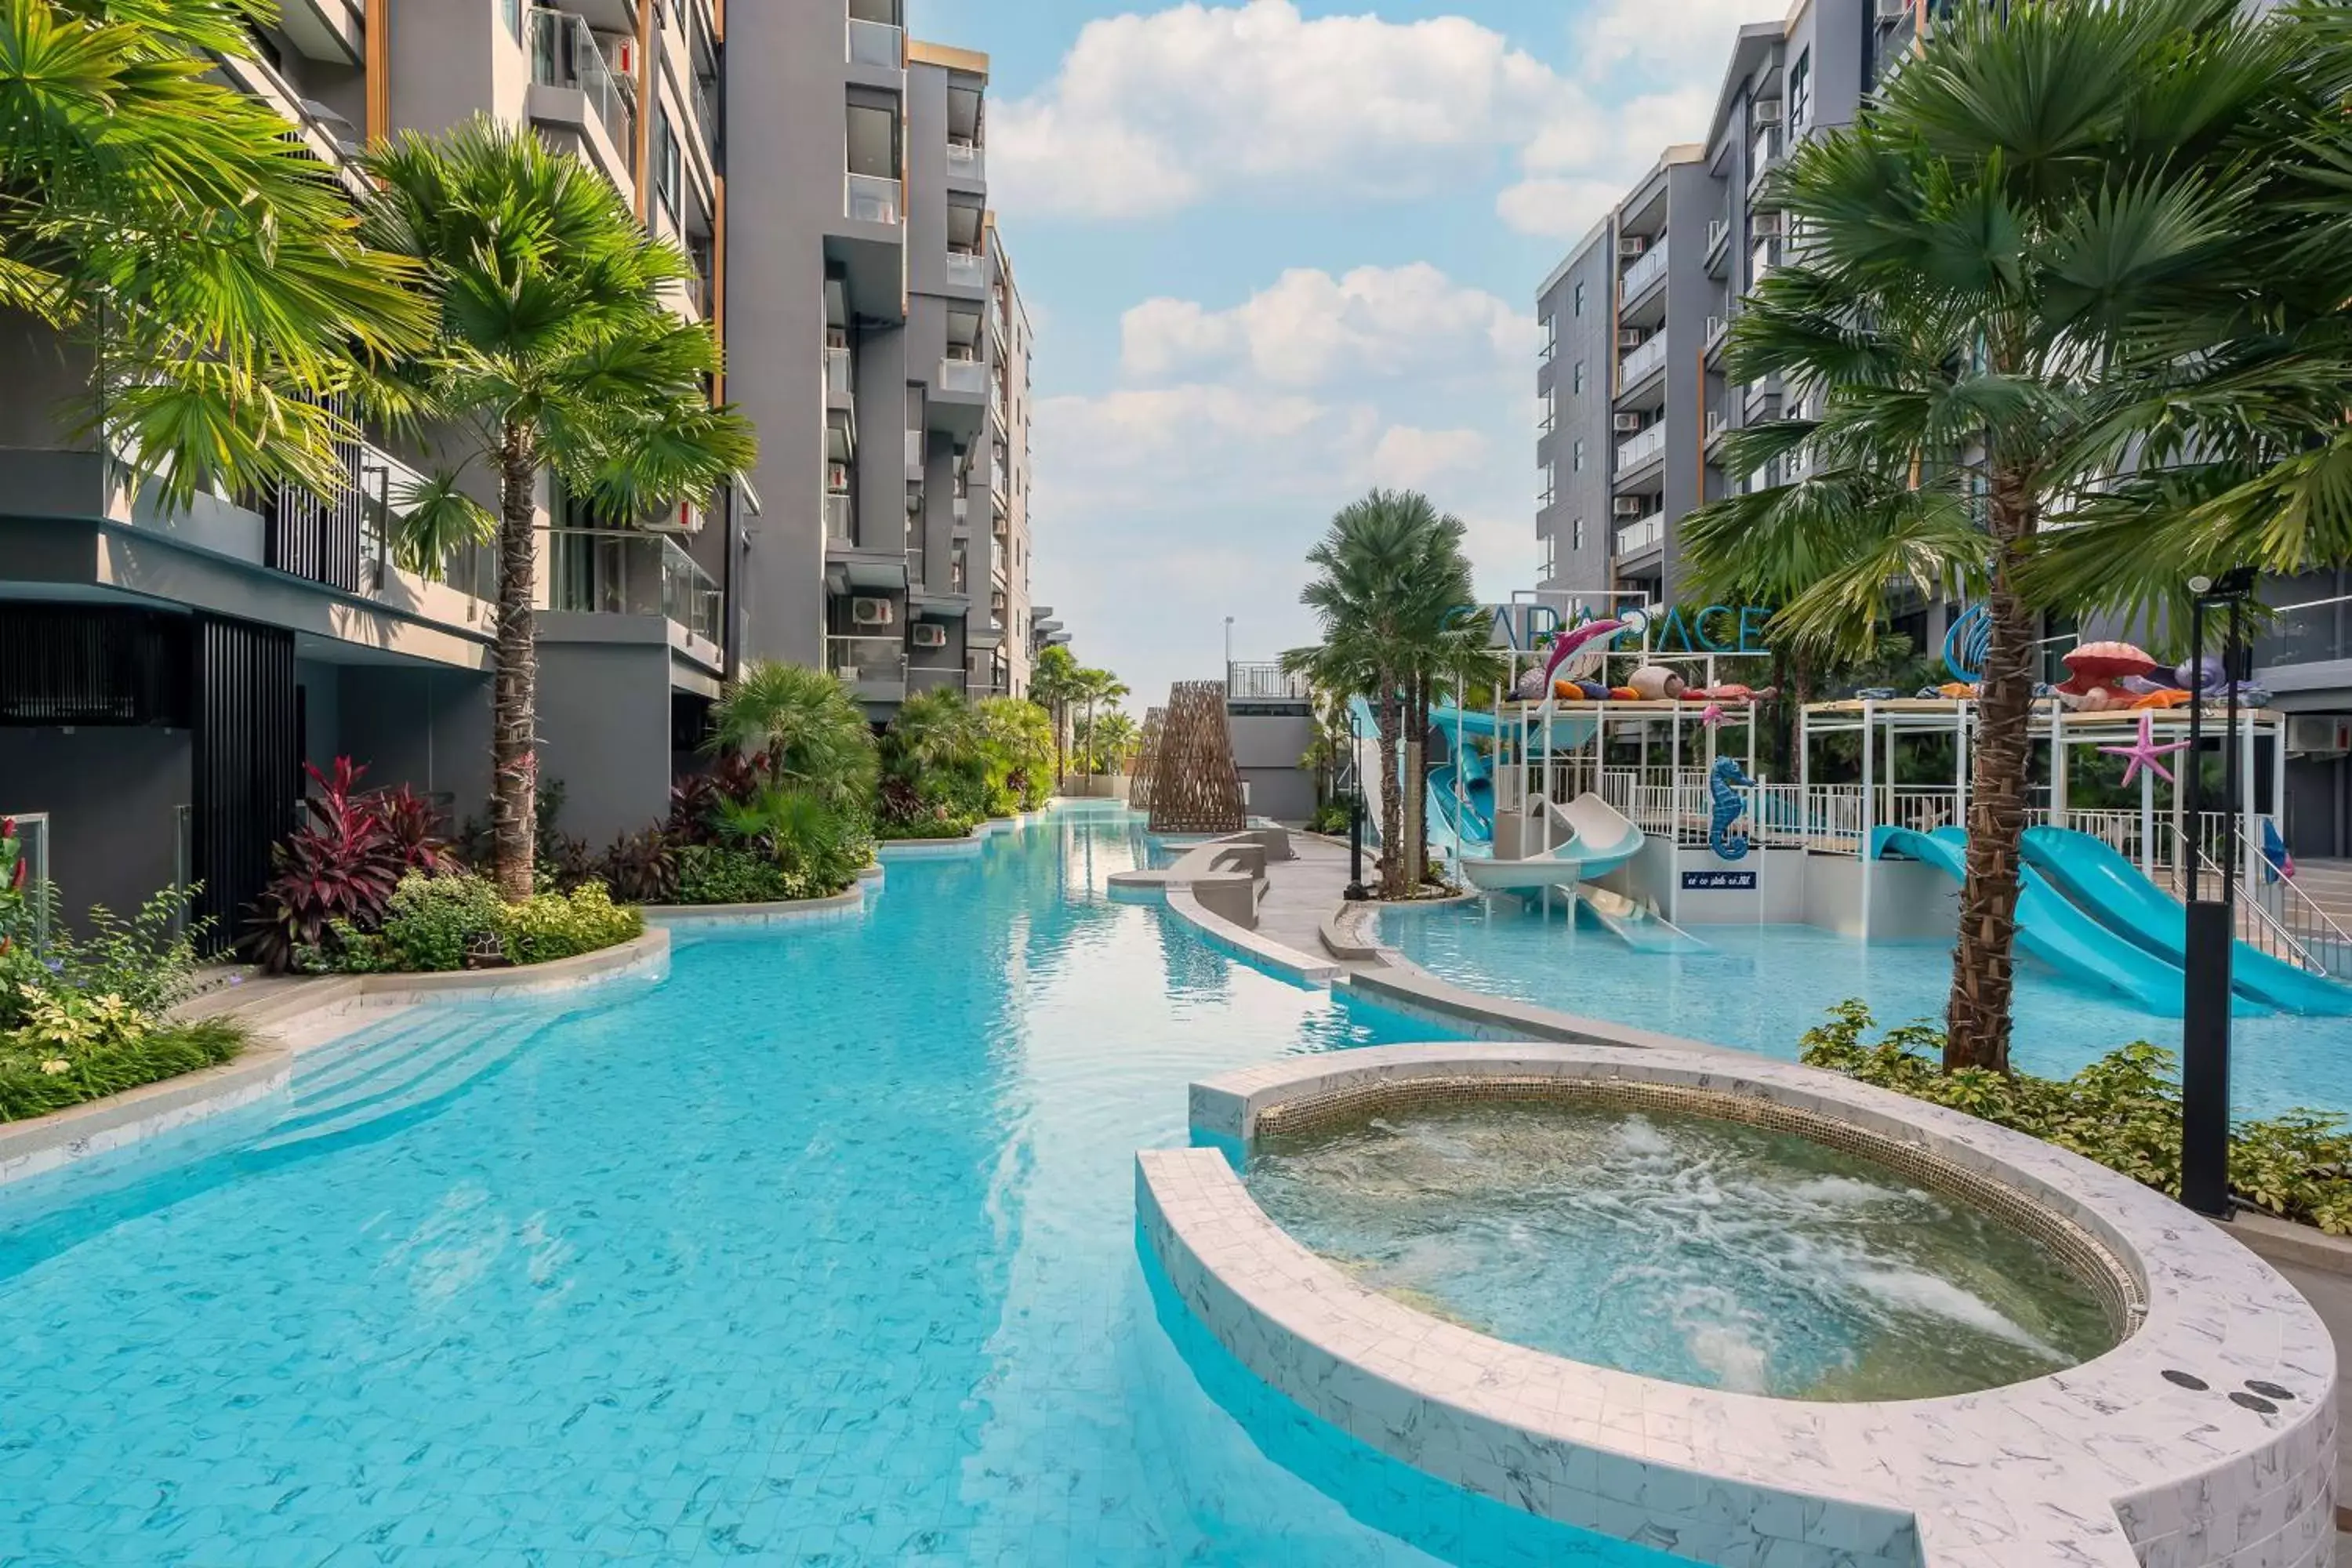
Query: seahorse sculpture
(1725,784)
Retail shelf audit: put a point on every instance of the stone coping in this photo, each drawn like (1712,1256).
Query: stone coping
(692,917)
(1284,962)
(297,1017)
(890,849)
(2108,1464)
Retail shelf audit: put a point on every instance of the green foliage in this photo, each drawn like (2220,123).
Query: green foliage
(944,823)
(46,1073)
(1331,817)
(801,727)
(716,874)
(434,922)
(818,848)
(1020,736)
(149,960)
(2121,1110)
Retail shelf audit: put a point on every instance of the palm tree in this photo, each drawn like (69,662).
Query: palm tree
(179,230)
(555,349)
(1390,576)
(1114,737)
(804,727)
(1961,321)
(1053,686)
(1092,687)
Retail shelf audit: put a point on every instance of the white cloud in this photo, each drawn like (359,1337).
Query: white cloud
(1407,457)
(1149,114)
(1309,329)
(1558,208)
(1671,38)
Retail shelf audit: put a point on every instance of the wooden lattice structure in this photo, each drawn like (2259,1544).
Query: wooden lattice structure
(1194,788)
(1147,754)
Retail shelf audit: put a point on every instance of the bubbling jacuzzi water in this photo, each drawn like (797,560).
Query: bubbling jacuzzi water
(1680,1246)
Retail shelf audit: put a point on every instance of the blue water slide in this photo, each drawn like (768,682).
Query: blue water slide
(1472,831)
(2103,880)
(2048,927)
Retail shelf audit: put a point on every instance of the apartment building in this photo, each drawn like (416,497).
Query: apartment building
(163,679)
(878,344)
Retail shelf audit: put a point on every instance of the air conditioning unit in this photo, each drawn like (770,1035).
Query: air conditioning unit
(687,519)
(1767,113)
(1627,506)
(1893,10)
(872,613)
(926,634)
(1630,337)
(1628,424)
(1765,225)
(620,54)
(1631,245)
(836,477)
(2318,735)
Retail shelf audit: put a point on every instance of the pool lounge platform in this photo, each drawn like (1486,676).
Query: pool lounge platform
(2206,1436)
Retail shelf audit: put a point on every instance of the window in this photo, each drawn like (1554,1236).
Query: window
(1576,379)
(1549,567)
(1576,300)
(1801,91)
(1576,535)
(511,10)
(669,168)
(1575,464)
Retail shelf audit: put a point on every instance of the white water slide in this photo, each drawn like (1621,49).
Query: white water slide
(1591,837)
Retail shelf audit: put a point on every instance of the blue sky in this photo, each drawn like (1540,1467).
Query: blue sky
(1277,251)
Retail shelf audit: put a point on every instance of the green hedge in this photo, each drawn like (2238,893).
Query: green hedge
(928,828)
(2123,1110)
(433,922)
(40,1073)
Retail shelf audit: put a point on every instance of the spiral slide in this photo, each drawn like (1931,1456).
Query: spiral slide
(1596,838)
(2103,880)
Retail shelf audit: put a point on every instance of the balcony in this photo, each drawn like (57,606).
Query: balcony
(996,317)
(871,199)
(1637,450)
(1642,362)
(566,56)
(839,379)
(914,454)
(1718,242)
(1642,533)
(965,378)
(837,519)
(622,571)
(877,44)
(967,269)
(1763,157)
(1644,272)
(1717,427)
(875,666)
(1764,261)
(965,162)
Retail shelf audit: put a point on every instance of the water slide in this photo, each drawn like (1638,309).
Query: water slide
(1641,928)
(1474,832)
(1591,837)
(2049,927)
(2103,880)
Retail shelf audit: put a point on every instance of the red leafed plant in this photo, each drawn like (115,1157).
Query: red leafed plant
(341,865)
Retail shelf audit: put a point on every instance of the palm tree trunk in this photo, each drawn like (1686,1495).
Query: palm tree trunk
(514,700)
(1420,732)
(1976,1018)
(1389,718)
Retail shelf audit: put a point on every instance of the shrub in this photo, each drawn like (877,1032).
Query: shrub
(548,926)
(340,867)
(642,868)
(40,1074)
(940,823)
(2121,1110)
(715,874)
(1331,817)
(434,923)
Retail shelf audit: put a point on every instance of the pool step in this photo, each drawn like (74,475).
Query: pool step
(399,1080)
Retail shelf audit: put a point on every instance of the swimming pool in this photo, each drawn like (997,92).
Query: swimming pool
(821,1251)
(1758,987)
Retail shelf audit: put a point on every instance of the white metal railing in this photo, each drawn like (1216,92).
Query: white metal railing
(564,52)
(874,44)
(1636,450)
(966,268)
(839,379)
(1717,425)
(870,198)
(1264,682)
(1642,532)
(1642,360)
(963,375)
(1644,271)
(837,519)
(866,658)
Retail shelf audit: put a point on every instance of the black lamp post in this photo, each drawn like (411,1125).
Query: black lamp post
(1356,892)
(2213,923)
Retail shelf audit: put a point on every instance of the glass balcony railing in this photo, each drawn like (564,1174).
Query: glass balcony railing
(1640,362)
(963,375)
(1647,271)
(875,44)
(964,157)
(914,454)
(565,53)
(866,661)
(966,268)
(837,376)
(1640,533)
(623,571)
(871,199)
(837,519)
(1636,450)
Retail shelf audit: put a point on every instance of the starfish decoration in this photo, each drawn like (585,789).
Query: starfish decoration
(1712,714)
(2144,752)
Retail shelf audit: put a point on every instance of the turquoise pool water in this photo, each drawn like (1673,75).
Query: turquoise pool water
(822,1251)
(1758,987)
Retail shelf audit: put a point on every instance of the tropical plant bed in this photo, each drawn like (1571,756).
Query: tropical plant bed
(82,1018)
(2123,1110)
(434,923)
(928,829)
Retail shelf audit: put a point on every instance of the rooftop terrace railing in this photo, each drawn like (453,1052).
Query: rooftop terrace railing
(1264,681)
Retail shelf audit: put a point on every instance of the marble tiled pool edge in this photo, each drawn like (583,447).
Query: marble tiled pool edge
(2189,1475)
